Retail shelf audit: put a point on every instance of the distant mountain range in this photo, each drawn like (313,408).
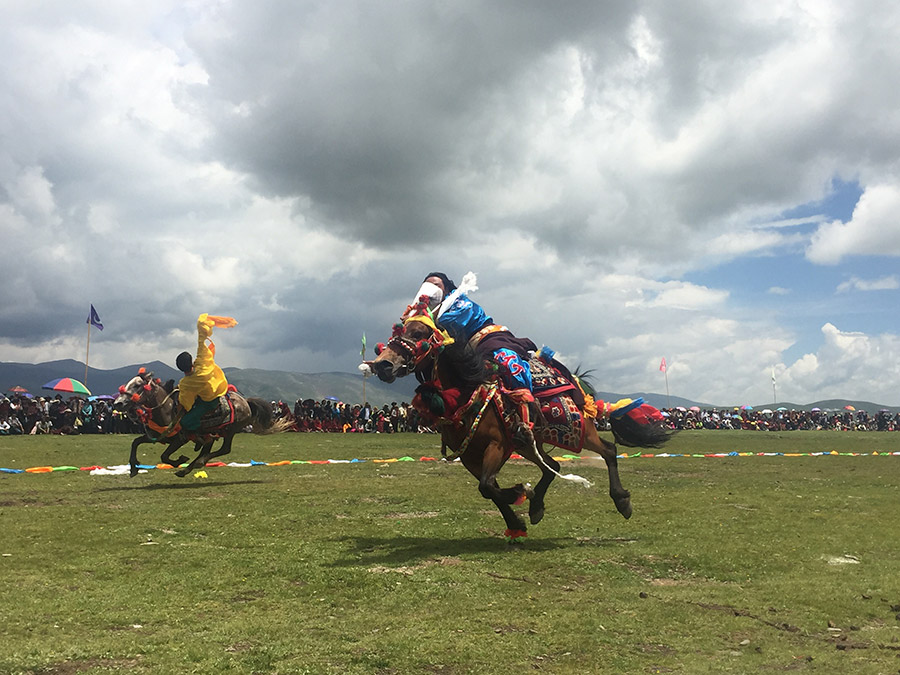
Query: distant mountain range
(276,385)
(271,385)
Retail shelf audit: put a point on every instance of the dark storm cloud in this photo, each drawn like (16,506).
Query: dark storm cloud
(370,111)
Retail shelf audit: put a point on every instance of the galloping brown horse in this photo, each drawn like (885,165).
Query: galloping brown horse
(147,400)
(476,431)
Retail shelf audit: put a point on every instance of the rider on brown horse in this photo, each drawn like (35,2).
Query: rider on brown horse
(466,321)
(204,383)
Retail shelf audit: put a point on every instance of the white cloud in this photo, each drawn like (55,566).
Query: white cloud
(874,228)
(848,365)
(668,294)
(890,282)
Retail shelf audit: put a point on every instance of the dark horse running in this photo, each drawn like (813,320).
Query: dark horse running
(476,425)
(147,400)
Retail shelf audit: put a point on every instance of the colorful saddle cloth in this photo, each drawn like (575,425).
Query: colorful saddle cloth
(563,423)
(549,380)
(220,416)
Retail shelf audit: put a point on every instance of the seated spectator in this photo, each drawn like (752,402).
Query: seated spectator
(15,426)
(42,426)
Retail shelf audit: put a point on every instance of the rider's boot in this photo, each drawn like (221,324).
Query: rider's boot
(522,435)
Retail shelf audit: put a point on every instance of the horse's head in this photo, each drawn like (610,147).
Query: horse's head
(415,341)
(139,392)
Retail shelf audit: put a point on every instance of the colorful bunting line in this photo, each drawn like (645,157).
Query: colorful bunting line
(98,470)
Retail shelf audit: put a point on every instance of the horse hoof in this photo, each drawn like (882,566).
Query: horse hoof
(181,473)
(515,536)
(536,515)
(133,472)
(624,507)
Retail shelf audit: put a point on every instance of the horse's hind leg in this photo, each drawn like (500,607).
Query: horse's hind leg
(549,468)
(224,449)
(207,454)
(166,457)
(199,460)
(607,451)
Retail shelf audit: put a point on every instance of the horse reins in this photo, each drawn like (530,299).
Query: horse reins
(144,412)
(416,351)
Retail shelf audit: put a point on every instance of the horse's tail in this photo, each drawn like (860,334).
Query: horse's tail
(634,424)
(264,421)
(633,434)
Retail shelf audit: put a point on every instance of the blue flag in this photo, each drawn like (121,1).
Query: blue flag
(94,319)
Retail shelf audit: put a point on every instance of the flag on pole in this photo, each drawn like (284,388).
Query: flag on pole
(662,365)
(363,351)
(773,374)
(94,319)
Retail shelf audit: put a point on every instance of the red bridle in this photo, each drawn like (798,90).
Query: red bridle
(414,352)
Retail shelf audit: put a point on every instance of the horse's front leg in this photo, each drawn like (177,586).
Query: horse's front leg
(132,459)
(486,467)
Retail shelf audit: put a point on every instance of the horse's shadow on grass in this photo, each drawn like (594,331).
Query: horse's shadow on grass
(181,486)
(396,551)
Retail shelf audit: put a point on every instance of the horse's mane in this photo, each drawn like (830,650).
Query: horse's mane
(462,362)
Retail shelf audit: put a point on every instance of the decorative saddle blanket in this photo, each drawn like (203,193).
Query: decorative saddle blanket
(220,416)
(563,423)
(549,380)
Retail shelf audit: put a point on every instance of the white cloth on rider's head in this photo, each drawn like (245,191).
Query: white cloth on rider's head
(434,293)
(469,284)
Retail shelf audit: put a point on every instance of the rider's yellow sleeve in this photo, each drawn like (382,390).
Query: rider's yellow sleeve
(206,380)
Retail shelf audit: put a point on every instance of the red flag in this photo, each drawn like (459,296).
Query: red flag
(662,364)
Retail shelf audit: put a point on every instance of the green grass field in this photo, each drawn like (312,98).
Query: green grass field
(735,565)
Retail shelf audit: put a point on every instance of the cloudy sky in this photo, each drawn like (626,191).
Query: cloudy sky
(713,183)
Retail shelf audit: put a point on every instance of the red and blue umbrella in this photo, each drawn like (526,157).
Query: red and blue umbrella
(67,384)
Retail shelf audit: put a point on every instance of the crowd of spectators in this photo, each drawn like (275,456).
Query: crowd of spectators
(781,419)
(331,415)
(21,414)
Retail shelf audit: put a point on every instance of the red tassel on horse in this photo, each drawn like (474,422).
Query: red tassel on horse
(645,414)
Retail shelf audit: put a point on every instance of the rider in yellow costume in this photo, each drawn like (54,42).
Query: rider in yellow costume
(204,383)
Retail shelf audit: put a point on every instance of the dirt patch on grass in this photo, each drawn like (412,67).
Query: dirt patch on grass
(512,628)
(239,647)
(656,649)
(248,596)
(72,667)
(29,501)
(414,514)
(409,570)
